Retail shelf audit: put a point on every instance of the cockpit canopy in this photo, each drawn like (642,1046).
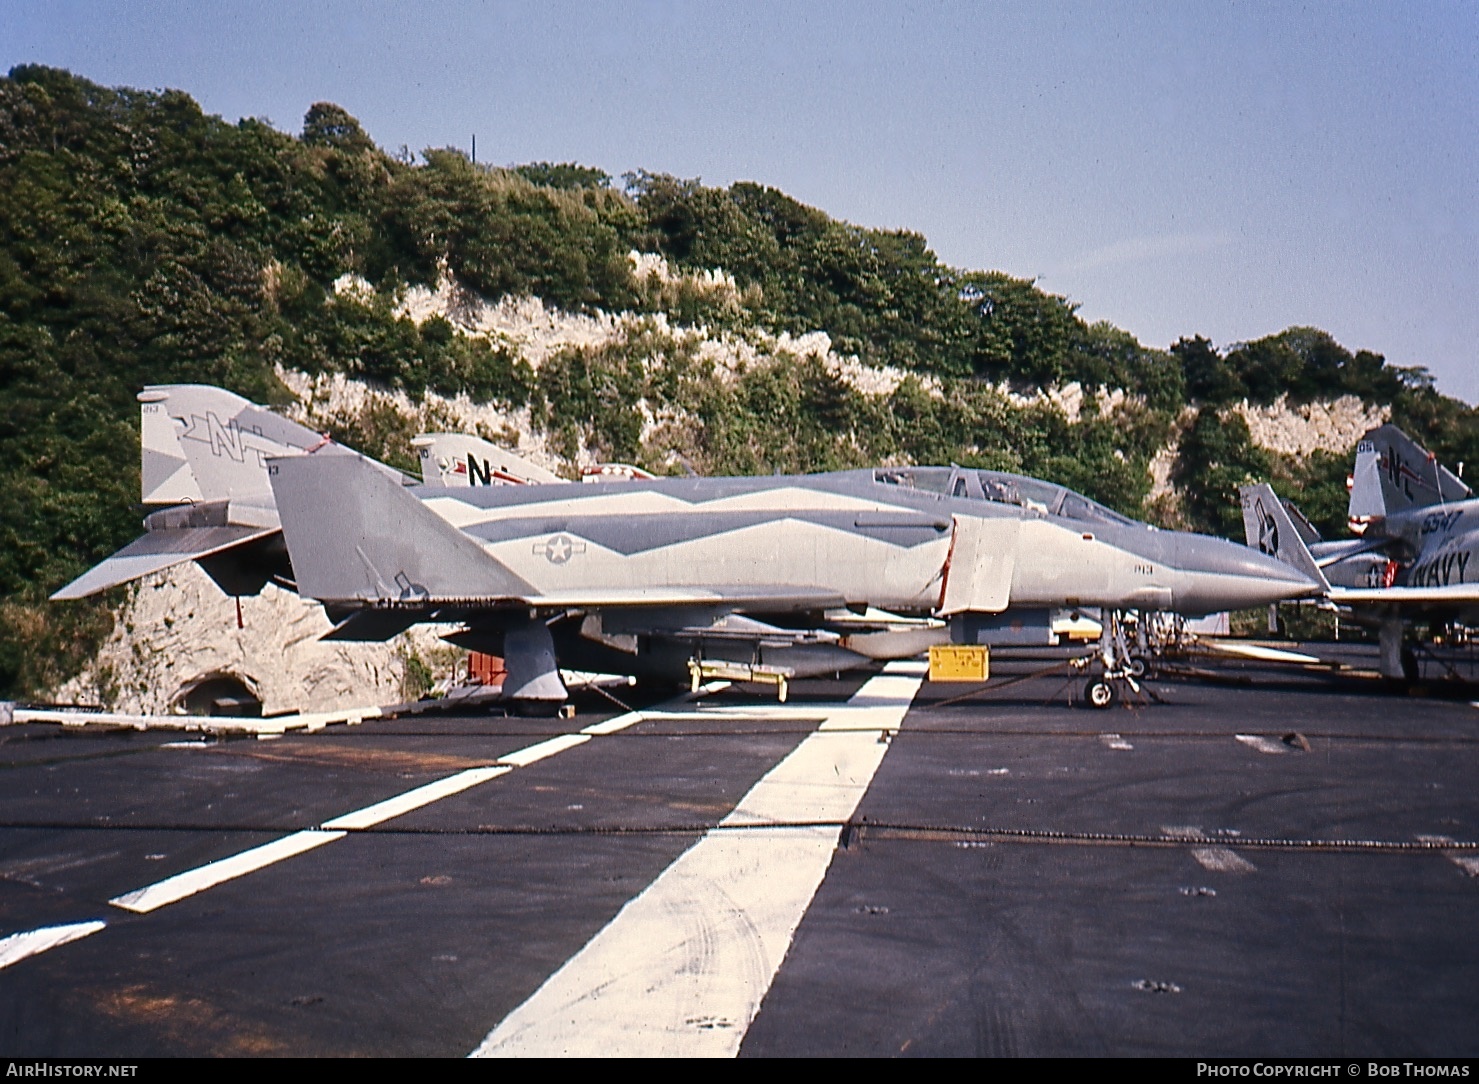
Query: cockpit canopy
(1003,488)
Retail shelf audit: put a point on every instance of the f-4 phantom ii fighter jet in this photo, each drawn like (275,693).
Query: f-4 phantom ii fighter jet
(1417,556)
(644,576)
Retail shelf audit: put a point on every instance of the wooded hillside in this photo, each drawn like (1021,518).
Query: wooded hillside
(142,241)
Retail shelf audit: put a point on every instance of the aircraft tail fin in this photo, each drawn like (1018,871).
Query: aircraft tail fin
(165,472)
(206,443)
(1270,529)
(203,443)
(1308,533)
(1393,473)
(355,536)
(457,460)
(204,456)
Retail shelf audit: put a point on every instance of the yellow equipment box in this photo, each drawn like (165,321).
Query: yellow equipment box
(959,662)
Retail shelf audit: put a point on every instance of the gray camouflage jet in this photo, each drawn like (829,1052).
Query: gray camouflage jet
(1415,558)
(801,575)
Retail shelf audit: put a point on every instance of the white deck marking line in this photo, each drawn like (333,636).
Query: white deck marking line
(1262,744)
(415,799)
(683,967)
(1114,741)
(620,722)
(18,946)
(1215,859)
(723,713)
(1187,832)
(1222,860)
(521,758)
(183,885)
(173,889)
(1469,863)
(632,718)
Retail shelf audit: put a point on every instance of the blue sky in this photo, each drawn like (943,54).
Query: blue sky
(1223,169)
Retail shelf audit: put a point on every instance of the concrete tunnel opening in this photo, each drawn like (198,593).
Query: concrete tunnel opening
(219,693)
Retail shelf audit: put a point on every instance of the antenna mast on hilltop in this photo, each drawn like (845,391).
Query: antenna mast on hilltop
(474,148)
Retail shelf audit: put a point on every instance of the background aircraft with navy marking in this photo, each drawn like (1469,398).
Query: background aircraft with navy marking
(1416,556)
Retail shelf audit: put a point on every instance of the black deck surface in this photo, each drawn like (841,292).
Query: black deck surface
(1023,877)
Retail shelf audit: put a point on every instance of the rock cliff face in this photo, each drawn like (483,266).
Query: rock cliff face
(1329,426)
(1332,426)
(178,629)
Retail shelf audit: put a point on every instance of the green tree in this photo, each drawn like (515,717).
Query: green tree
(1217,456)
(1208,376)
(328,125)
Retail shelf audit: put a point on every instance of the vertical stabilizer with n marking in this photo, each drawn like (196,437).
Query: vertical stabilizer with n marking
(165,473)
(456,460)
(204,457)
(225,441)
(1393,473)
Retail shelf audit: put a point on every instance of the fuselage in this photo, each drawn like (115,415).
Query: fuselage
(1434,547)
(883,537)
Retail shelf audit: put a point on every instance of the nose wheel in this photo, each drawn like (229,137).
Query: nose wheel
(1116,666)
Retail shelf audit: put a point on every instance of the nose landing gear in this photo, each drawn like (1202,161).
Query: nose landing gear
(1119,665)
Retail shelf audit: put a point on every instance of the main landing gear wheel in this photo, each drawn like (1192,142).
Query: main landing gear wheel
(1099,693)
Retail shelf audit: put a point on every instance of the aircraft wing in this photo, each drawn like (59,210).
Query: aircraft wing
(758,597)
(156,551)
(646,609)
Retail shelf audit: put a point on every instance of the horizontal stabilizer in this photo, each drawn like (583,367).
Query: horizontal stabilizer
(156,551)
(355,534)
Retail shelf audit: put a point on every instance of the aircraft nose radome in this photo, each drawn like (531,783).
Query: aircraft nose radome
(1221,575)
